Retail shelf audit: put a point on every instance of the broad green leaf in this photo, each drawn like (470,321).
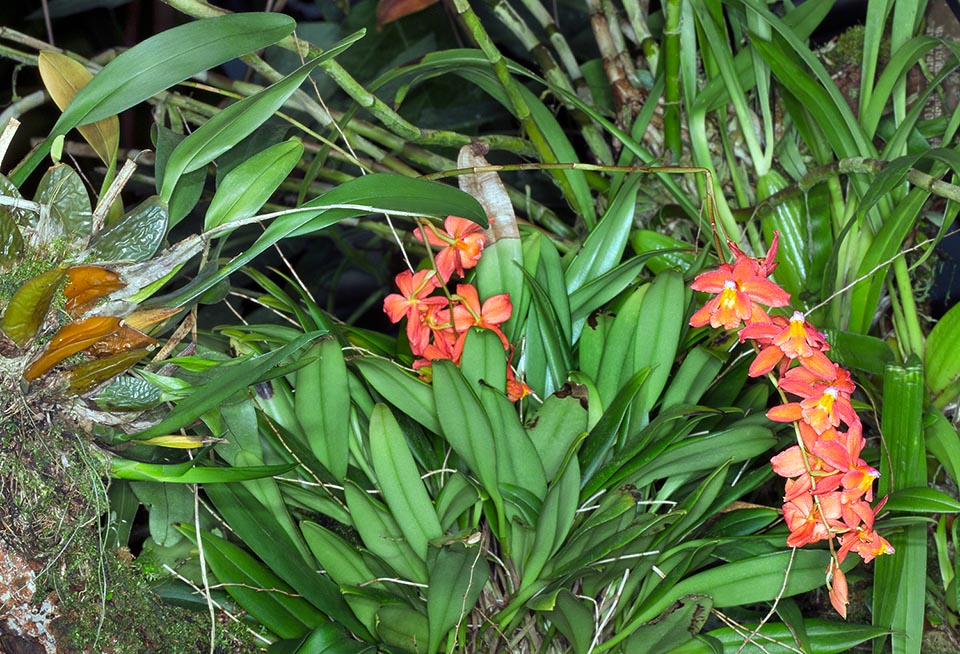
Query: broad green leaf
(675,625)
(466,425)
(123,511)
(599,444)
(382,536)
(942,356)
(322,404)
(402,627)
(695,375)
(457,574)
(554,522)
(922,500)
(373,193)
(338,558)
(63,77)
(29,305)
(400,388)
(899,592)
(168,504)
(158,63)
(662,251)
(752,580)
(826,637)
(455,498)
(229,127)
(556,426)
(574,619)
(943,442)
(619,346)
(11,240)
(260,592)
(247,187)
(128,394)
(657,335)
(136,236)
(328,638)
(399,480)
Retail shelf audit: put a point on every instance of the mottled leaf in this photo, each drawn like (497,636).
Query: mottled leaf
(136,236)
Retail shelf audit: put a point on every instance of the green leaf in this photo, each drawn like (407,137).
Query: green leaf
(288,558)
(337,557)
(400,388)
(574,620)
(826,637)
(556,425)
(137,471)
(465,424)
(11,240)
(376,192)
(457,573)
(603,436)
(756,579)
(246,188)
(922,500)
(29,305)
(899,592)
(382,535)
(675,625)
(136,236)
(326,639)
(942,356)
(399,481)
(229,127)
(68,213)
(554,522)
(604,247)
(260,592)
(402,627)
(209,395)
(322,404)
(657,335)
(159,62)
(168,504)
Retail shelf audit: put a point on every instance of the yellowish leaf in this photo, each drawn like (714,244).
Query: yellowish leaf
(64,77)
(71,339)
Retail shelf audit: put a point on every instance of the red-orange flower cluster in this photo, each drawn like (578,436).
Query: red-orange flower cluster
(829,487)
(437,325)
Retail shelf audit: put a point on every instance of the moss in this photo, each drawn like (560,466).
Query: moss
(54,498)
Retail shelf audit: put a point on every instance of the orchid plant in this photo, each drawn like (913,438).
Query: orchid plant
(829,487)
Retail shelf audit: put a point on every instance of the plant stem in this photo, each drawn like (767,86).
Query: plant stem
(671,68)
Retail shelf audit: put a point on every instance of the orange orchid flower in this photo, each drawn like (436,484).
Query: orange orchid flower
(462,241)
(413,302)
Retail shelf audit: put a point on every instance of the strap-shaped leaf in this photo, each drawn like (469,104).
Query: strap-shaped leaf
(381,534)
(248,186)
(157,64)
(260,592)
(458,572)
(399,481)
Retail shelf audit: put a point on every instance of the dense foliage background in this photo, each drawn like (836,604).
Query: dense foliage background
(543,444)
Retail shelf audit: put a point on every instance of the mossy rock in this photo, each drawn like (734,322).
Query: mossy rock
(61,589)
